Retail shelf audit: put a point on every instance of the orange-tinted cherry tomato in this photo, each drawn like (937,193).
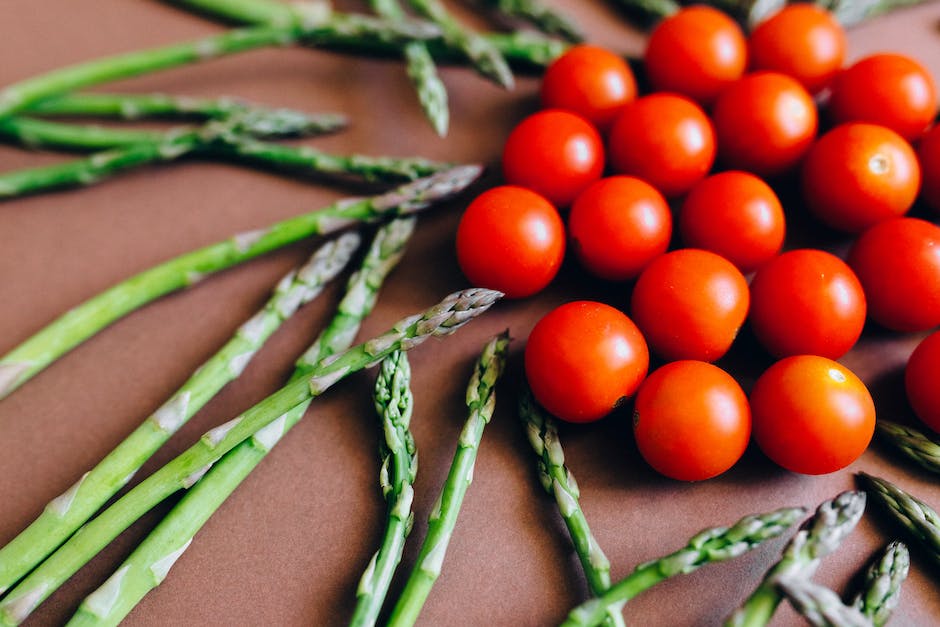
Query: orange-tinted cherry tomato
(928,154)
(811,415)
(920,380)
(583,358)
(691,420)
(618,225)
(859,174)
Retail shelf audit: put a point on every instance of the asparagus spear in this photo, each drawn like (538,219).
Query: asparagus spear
(852,12)
(750,12)
(541,16)
(921,521)
(152,559)
(822,535)
(34,133)
(650,10)
(819,605)
(881,590)
(82,322)
(914,444)
(393,402)
(481,400)
(557,480)
(709,546)
(66,513)
(421,70)
(442,319)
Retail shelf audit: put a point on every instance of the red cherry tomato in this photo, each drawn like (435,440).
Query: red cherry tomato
(887,89)
(765,123)
(802,41)
(583,358)
(618,225)
(691,420)
(736,215)
(811,415)
(920,380)
(554,153)
(857,175)
(928,154)
(690,304)
(665,140)
(510,239)
(898,264)
(590,81)
(807,302)
(696,52)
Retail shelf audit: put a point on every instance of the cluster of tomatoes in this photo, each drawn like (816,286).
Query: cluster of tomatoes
(748,104)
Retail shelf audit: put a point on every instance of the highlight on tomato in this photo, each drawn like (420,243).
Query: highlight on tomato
(920,381)
(583,358)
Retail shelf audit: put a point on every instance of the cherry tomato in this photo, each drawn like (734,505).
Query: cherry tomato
(736,215)
(510,239)
(802,41)
(920,380)
(696,52)
(887,89)
(554,153)
(593,82)
(928,154)
(765,123)
(811,415)
(690,304)
(691,420)
(665,140)
(858,174)
(618,225)
(583,358)
(898,264)
(807,302)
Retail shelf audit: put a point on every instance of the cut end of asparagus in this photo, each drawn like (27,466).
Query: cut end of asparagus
(12,374)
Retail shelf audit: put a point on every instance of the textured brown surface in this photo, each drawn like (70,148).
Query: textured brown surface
(289,546)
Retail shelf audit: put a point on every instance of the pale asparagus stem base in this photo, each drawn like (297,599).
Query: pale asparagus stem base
(919,519)
(819,605)
(880,591)
(481,400)
(558,481)
(912,443)
(146,567)
(69,511)
(833,521)
(85,320)
(442,319)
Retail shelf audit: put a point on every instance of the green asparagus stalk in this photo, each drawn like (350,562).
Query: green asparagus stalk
(150,562)
(820,606)
(393,402)
(481,400)
(881,589)
(82,322)
(921,521)
(541,16)
(485,58)
(912,443)
(432,94)
(822,535)
(709,546)
(67,512)
(649,10)
(188,467)
(558,481)
(33,133)
(852,12)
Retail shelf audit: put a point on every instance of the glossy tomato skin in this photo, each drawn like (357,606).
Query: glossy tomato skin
(898,264)
(690,304)
(811,415)
(891,90)
(512,240)
(691,420)
(664,139)
(765,123)
(858,175)
(696,52)
(618,225)
(802,41)
(736,215)
(591,81)
(807,302)
(920,381)
(554,153)
(928,154)
(583,358)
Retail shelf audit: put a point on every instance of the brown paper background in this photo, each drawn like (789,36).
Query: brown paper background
(288,547)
